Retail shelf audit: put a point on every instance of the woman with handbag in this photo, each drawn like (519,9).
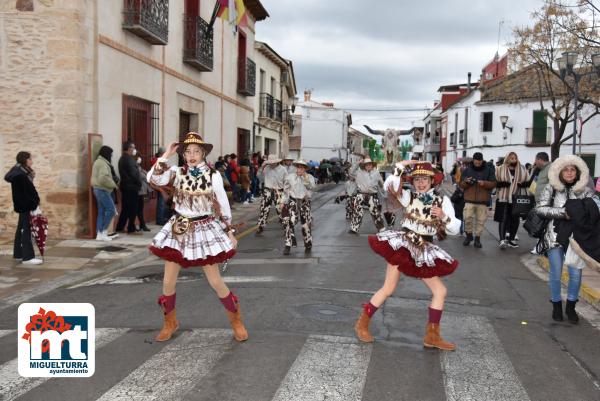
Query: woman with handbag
(568,178)
(200,232)
(25,201)
(512,180)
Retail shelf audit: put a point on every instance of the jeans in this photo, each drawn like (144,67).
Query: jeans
(160,210)
(509,224)
(556,256)
(106,209)
(23,248)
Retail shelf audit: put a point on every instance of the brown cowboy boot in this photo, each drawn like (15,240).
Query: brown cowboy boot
(239,331)
(169,327)
(434,340)
(362,328)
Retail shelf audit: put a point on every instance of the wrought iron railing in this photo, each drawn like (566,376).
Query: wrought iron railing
(198,43)
(247,77)
(149,19)
(270,107)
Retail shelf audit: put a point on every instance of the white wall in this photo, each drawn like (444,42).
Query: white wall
(323,131)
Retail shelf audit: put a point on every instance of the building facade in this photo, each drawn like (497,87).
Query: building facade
(274,105)
(323,130)
(503,117)
(77,74)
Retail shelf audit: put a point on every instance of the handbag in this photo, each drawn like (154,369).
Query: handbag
(458,196)
(522,205)
(535,225)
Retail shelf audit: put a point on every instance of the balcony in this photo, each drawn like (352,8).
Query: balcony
(270,107)
(246,77)
(197,43)
(538,137)
(288,119)
(148,19)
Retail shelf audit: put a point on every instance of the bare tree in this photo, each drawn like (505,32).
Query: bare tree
(558,27)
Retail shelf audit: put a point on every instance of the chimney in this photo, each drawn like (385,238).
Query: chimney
(307,95)
(469,82)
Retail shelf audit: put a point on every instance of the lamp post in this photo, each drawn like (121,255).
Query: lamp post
(566,65)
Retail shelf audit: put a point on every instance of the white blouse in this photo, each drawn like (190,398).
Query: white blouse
(183,209)
(453,225)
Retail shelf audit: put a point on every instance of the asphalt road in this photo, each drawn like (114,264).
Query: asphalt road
(300,311)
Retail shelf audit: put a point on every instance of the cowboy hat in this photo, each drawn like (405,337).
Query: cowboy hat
(301,162)
(366,161)
(426,169)
(287,157)
(272,159)
(194,138)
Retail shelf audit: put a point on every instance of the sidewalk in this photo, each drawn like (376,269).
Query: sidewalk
(67,260)
(590,283)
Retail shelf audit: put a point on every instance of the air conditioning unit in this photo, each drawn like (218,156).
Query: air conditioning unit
(285,78)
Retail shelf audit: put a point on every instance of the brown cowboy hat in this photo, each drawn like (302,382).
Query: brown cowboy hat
(194,138)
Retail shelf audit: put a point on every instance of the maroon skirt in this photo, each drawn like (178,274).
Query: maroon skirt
(173,255)
(406,263)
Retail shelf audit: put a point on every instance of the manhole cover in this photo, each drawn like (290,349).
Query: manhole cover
(112,248)
(184,275)
(325,312)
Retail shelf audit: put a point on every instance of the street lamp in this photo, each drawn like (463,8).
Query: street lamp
(503,121)
(566,65)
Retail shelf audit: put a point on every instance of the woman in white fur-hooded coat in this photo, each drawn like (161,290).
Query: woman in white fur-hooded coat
(568,179)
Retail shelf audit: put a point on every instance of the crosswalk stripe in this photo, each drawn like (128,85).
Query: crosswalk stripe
(479,369)
(175,370)
(327,367)
(12,385)
(6,332)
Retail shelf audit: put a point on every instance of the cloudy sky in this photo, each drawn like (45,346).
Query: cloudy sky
(388,54)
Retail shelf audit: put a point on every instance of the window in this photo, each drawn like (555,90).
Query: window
(455,122)
(487,121)
(452,139)
(273,88)
(263,78)
(540,124)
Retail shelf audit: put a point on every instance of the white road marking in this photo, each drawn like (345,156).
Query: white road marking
(479,369)
(327,368)
(12,385)
(7,332)
(175,370)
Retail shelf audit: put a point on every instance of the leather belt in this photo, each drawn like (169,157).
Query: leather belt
(182,224)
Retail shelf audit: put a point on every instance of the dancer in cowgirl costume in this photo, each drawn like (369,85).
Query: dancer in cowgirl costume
(200,232)
(274,176)
(296,195)
(411,250)
(368,181)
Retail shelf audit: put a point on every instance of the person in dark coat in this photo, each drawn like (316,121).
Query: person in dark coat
(130,184)
(25,200)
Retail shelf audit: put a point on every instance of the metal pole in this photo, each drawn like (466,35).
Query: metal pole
(575,113)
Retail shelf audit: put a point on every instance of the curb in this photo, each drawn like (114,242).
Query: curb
(589,294)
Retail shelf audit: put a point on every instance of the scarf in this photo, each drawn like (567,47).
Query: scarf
(503,174)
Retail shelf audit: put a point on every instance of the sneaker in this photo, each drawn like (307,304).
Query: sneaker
(513,244)
(534,251)
(34,261)
(245,203)
(103,237)
(352,232)
(516,238)
(113,235)
(503,244)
